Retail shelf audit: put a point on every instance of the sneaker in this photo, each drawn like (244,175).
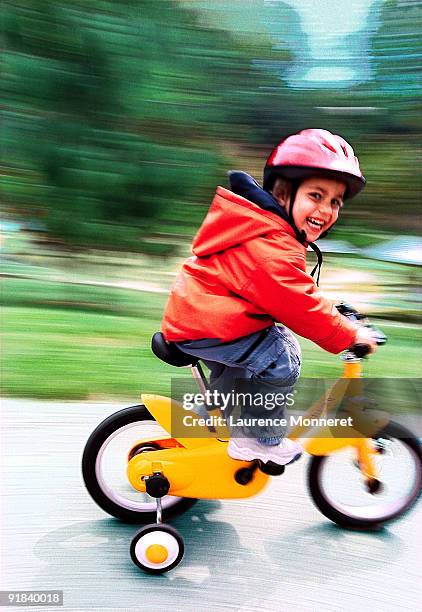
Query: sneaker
(248,449)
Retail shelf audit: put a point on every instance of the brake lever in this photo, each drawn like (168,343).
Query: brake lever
(360,350)
(348,311)
(380,336)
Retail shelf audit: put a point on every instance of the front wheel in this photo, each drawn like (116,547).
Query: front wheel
(342,493)
(105,461)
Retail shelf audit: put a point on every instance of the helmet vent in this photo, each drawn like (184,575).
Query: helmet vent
(343,148)
(329,146)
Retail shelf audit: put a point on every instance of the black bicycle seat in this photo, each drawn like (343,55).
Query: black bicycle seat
(168,352)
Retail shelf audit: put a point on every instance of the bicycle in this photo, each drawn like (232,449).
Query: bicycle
(136,471)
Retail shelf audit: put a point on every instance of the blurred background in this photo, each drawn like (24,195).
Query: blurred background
(119,120)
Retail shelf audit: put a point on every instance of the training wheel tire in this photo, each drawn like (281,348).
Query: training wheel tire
(157,548)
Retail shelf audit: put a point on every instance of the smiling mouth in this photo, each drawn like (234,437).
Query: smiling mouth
(315,223)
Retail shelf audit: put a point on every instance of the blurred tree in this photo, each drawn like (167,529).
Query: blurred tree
(270,39)
(392,156)
(397,55)
(114,111)
(119,118)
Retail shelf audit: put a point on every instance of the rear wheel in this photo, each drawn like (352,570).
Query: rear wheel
(343,494)
(104,465)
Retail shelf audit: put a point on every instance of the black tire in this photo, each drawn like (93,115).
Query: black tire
(154,529)
(171,505)
(392,431)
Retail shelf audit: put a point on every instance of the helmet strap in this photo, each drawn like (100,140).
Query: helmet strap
(300,235)
(317,267)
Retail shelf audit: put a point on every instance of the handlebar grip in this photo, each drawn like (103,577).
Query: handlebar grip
(360,350)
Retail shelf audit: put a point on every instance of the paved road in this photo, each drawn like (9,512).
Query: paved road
(273,552)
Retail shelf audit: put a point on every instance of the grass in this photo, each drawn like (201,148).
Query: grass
(76,355)
(68,296)
(75,342)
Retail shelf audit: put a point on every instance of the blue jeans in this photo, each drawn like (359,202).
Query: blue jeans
(266,362)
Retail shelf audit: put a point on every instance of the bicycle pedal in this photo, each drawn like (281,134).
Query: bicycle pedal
(271,468)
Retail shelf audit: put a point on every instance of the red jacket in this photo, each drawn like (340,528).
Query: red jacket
(249,271)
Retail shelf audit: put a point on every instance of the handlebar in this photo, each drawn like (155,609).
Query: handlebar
(361,350)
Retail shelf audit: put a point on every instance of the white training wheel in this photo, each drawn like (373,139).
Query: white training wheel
(157,548)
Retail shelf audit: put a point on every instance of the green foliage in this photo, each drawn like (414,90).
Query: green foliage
(112,113)
(119,118)
(49,296)
(397,49)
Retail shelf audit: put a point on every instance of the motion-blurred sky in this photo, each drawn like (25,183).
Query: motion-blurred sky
(329,39)
(337,30)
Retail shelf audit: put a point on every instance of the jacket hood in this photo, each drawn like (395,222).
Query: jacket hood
(246,186)
(233,219)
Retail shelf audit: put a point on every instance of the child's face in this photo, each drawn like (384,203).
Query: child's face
(317,205)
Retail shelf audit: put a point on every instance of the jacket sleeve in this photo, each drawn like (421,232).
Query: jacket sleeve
(282,288)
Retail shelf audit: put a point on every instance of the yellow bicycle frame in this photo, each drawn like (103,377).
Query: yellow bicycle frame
(199,466)
(326,440)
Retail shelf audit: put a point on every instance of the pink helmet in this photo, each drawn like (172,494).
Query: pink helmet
(313,152)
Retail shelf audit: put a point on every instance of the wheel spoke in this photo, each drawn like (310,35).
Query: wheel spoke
(346,490)
(111,466)
(105,461)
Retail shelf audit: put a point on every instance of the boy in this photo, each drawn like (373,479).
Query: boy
(249,271)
